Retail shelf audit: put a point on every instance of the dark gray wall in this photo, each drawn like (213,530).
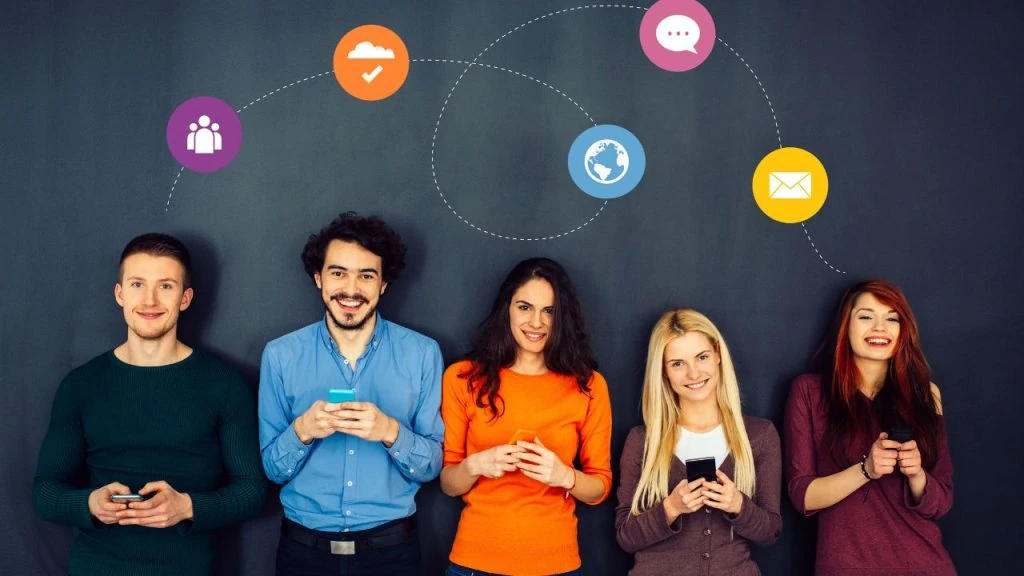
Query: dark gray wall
(914,108)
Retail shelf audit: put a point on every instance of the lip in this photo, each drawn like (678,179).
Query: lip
(697,385)
(150,315)
(534,336)
(878,341)
(355,303)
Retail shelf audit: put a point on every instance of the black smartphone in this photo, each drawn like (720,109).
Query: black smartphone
(901,434)
(126,498)
(701,468)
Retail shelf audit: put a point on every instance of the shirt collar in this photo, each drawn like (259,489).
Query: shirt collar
(379,333)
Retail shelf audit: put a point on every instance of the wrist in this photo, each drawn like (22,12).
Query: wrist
(569,482)
(391,432)
(864,468)
(188,514)
(470,465)
(306,439)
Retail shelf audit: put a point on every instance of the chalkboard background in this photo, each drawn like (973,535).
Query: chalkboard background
(913,107)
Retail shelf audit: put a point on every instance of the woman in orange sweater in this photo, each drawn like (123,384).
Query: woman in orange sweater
(517,411)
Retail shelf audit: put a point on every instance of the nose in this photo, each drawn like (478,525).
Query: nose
(150,296)
(691,372)
(535,319)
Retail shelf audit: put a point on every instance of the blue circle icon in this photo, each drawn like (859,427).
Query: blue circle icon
(606,161)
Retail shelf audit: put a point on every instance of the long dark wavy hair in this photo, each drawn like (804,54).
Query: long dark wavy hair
(493,346)
(905,398)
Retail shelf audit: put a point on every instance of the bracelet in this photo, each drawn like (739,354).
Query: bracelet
(573,486)
(864,467)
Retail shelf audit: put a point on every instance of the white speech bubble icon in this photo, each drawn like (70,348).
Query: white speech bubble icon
(678,33)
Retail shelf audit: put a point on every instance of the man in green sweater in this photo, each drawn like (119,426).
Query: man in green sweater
(152,418)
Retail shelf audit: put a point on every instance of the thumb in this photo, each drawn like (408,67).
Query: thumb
(118,488)
(151,487)
(537,440)
(883,436)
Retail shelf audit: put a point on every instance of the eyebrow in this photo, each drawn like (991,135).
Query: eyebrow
(343,269)
(891,311)
(172,280)
(695,355)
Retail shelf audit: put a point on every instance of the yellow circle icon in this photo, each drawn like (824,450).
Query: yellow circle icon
(790,185)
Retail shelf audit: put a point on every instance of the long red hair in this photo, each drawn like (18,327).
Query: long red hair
(905,398)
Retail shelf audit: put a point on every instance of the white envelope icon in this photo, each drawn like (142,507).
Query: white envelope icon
(789,185)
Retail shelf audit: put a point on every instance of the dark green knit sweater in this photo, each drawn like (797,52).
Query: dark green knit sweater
(191,424)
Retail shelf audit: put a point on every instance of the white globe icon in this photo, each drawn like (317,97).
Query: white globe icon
(606,161)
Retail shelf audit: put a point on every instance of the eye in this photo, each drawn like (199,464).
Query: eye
(523,308)
(863,317)
(166,286)
(136,284)
(703,357)
(550,311)
(675,364)
(893,319)
(336,273)
(367,276)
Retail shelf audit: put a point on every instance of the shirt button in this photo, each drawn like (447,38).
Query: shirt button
(397,452)
(302,452)
(349,483)
(411,470)
(706,556)
(707,531)
(707,510)
(348,512)
(346,362)
(289,470)
(351,452)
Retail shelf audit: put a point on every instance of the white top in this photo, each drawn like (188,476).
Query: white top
(702,445)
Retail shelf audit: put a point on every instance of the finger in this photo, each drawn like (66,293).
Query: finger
(531,457)
(715,487)
(883,435)
(909,445)
(534,476)
(889,444)
(508,467)
(723,478)
(117,488)
(690,487)
(530,468)
(539,449)
(152,487)
(360,406)
(347,414)
(111,507)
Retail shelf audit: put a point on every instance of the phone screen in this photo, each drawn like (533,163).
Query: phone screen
(701,468)
(337,395)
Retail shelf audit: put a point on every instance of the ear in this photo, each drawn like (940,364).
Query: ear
(319,283)
(186,300)
(118,296)
(383,287)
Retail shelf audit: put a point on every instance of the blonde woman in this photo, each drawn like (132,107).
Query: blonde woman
(691,410)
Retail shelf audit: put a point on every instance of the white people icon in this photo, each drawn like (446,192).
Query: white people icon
(204,138)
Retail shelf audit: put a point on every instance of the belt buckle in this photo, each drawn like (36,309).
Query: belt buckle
(343,547)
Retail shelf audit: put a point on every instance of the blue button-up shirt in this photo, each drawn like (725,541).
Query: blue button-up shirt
(342,482)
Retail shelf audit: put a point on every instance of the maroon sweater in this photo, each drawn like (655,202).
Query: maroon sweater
(709,541)
(877,529)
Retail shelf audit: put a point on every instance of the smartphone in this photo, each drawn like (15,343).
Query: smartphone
(337,395)
(901,434)
(523,434)
(126,498)
(701,468)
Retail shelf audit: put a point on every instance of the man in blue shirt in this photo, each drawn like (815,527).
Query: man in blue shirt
(351,470)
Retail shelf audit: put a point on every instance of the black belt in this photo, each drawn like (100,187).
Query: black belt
(348,543)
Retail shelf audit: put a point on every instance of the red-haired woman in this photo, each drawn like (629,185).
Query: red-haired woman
(866,443)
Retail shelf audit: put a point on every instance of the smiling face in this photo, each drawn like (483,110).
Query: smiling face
(152,294)
(531,316)
(350,284)
(874,329)
(692,367)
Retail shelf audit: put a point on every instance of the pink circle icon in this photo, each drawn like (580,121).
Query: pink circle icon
(204,134)
(677,35)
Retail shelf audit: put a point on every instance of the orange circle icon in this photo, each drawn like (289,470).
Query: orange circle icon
(371,62)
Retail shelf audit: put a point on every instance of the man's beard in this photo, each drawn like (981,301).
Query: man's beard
(351,324)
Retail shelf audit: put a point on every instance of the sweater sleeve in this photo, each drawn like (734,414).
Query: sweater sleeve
(245,491)
(56,493)
(454,396)
(938,490)
(801,468)
(635,533)
(596,436)
(759,521)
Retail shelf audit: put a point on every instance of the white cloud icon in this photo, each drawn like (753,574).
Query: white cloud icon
(367,51)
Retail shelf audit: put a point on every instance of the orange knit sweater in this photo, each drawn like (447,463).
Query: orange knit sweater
(513,524)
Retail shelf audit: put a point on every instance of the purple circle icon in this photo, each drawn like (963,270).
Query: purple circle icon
(677,35)
(204,134)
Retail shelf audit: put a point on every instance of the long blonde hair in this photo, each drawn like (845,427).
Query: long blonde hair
(661,410)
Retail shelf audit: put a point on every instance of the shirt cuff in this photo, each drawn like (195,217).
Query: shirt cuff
(401,450)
